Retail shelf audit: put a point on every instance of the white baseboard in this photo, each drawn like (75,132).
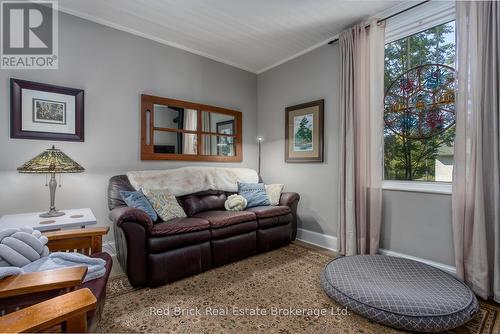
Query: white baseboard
(330,243)
(444,267)
(317,239)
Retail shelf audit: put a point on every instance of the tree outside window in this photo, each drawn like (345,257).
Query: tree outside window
(419,106)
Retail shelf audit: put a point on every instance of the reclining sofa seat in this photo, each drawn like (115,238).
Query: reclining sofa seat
(155,253)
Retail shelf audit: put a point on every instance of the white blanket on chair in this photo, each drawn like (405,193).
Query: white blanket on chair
(24,250)
(189,180)
(20,246)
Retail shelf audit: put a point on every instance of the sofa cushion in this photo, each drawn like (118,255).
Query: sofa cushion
(275,221)
(269,211)
(231,230)
(165,243)
(200,202)
(220,219)
(179,225)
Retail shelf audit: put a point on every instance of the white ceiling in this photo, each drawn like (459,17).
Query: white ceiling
(254,35)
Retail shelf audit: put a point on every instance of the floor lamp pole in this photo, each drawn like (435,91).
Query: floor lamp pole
(259,140)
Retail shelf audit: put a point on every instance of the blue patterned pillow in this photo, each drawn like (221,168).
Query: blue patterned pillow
(136,199)
(254,193)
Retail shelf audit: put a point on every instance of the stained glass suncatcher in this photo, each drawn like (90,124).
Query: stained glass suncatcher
(420,103)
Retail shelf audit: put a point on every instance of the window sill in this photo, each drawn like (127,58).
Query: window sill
(418,187)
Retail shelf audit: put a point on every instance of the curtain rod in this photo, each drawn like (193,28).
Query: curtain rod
(388,17)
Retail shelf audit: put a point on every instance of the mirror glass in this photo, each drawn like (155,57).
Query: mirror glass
(218,145)
(170,117)
(217,123)
(175,142)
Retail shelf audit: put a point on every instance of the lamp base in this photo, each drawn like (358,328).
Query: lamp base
(52,213)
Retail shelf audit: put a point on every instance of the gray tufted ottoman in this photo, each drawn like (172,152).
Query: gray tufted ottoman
(398,292)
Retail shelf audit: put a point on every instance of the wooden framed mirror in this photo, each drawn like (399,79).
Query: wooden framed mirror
(180,130)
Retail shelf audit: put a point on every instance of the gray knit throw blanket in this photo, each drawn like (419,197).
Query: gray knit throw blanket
(24,250)
(21,246)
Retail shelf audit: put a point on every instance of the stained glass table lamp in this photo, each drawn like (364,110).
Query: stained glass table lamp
(52,161)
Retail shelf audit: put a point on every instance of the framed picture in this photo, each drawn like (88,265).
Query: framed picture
(47,112)
(225,145)
(304,132)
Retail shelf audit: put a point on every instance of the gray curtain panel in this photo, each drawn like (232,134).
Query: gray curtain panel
(361,146)
(476,176)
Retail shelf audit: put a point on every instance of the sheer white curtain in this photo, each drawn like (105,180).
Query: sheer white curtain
(189,145)
(361,147)
(476,179)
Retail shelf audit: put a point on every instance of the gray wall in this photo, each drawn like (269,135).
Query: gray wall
(312,76)
(418,224)
(114,68)
(415,224)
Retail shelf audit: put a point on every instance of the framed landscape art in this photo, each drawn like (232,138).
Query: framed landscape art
(47,112)
(304,132)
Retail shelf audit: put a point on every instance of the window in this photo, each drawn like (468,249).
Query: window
(419,111)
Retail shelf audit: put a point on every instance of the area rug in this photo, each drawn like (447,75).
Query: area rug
(275,292)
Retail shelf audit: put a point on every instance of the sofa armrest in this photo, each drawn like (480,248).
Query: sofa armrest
(291,200)
(127,214)
(131,235)
(288,198)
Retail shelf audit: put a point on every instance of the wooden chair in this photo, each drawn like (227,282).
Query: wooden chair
(56,300)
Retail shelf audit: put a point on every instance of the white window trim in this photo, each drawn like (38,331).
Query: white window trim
(411,22)
(418,186)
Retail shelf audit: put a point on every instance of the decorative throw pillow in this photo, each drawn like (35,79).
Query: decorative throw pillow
(164,203)
(235,203)
(254,193)
(136,199)
(274,193)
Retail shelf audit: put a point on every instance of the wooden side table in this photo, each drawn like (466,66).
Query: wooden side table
(73,218)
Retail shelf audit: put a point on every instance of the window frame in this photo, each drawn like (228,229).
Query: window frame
(424,17)
(148,129)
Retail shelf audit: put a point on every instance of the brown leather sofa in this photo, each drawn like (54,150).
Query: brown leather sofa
(155,253)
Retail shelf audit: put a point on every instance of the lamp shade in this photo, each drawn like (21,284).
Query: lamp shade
(51,160)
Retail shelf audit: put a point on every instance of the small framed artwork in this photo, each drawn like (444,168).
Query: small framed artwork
(304,132)
(47,112)
(225,145)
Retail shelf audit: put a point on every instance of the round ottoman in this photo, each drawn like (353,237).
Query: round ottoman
(398,292)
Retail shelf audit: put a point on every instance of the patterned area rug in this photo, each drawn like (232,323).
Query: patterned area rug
(275,292)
